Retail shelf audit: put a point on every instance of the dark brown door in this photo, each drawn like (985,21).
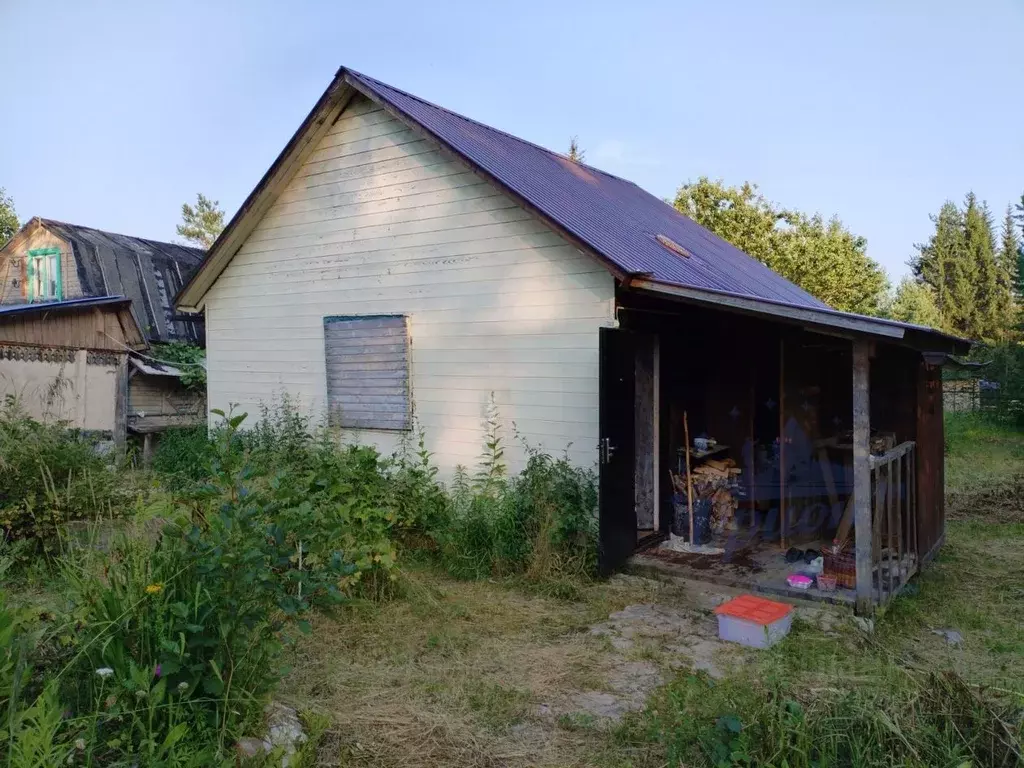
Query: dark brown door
(616,473)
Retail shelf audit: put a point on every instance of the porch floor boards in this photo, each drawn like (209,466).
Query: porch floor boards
(758,569)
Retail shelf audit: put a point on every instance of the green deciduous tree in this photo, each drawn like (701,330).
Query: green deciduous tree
(201,225)
(821,256)
(914,302)
(8,218)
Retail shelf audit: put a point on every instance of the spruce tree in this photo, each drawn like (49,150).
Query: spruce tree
(992,300)
(1009,268)
(942,263)
(1019,216)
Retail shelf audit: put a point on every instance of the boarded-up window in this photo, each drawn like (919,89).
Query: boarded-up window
(367,371)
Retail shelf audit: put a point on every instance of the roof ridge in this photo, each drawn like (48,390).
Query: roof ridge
(459,115)
(58,222)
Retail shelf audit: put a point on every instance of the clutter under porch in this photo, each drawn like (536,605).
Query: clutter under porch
(744,455)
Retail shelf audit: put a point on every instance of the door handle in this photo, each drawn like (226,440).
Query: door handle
(606,450)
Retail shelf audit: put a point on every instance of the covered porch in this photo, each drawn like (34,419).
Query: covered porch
(758,443)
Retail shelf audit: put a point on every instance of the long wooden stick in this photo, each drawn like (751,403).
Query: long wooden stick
(689,481)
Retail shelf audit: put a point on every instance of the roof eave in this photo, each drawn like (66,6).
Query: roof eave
(829,319)
(191,298)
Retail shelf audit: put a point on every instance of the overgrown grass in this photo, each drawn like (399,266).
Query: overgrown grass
(902,695)
(984,465)
(49,477)
(182,456)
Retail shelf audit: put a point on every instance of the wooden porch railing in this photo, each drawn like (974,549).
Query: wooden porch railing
(894,551)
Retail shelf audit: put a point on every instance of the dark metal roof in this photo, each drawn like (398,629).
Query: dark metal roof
(617,219)
(56,306)
(611,218)
(148,272)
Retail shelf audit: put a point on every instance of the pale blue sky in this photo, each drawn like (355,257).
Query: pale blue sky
(117,112)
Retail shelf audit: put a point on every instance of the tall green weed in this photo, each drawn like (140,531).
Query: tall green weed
(50,476)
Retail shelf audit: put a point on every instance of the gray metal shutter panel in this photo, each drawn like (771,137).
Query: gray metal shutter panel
(367,371)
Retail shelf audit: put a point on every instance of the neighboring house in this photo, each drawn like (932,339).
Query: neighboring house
(67,361)
(400,266)
(50,260)
(51,271)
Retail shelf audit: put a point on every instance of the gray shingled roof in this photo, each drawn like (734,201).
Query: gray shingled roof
(148,272)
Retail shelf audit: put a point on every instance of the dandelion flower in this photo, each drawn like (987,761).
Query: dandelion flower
(104,672)
(141,694)
(182,686)
(80,745)
(154,589)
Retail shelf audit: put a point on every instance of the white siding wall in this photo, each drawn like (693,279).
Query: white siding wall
(378,222)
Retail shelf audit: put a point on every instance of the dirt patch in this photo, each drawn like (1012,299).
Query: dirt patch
(1002,502)
(480,674)
(645,644)
(740,562)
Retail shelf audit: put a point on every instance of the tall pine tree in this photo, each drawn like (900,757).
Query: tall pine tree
(942,263)
(1019,216)
(991,301)
(1009,270)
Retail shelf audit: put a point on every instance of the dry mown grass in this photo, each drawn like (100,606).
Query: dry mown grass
(455,674)
(999,501)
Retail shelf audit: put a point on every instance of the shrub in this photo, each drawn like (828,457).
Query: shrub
(541,523)
(50,476)
(37,736)
(189,358)
(183,456)
(186,631)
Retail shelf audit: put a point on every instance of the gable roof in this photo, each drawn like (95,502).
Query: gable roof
(148,272)
(612,219)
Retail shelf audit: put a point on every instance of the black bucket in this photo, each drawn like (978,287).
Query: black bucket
(701,519)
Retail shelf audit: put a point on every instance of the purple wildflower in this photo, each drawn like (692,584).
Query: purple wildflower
(157,671)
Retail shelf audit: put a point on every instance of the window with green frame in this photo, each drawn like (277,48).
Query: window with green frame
(43,273)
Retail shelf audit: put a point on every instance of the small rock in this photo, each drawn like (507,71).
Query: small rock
(250,746)
(865,625)
(951,636)
(544,709)
(284,731)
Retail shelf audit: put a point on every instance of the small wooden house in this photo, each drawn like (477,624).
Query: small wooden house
(55,281)
(400,266)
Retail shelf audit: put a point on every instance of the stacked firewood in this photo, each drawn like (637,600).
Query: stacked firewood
(715,481)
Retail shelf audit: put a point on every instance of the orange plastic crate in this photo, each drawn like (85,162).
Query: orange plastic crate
(755,609)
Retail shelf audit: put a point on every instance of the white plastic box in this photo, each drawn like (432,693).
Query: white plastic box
(754,621)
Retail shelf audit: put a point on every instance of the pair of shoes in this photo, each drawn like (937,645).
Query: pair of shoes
(811,555)
(794,555)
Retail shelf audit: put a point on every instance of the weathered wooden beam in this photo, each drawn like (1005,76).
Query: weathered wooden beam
(782,443)
(862,474)
(121,404)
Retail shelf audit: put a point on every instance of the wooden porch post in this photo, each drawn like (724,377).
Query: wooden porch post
(862,474)
(121,404)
